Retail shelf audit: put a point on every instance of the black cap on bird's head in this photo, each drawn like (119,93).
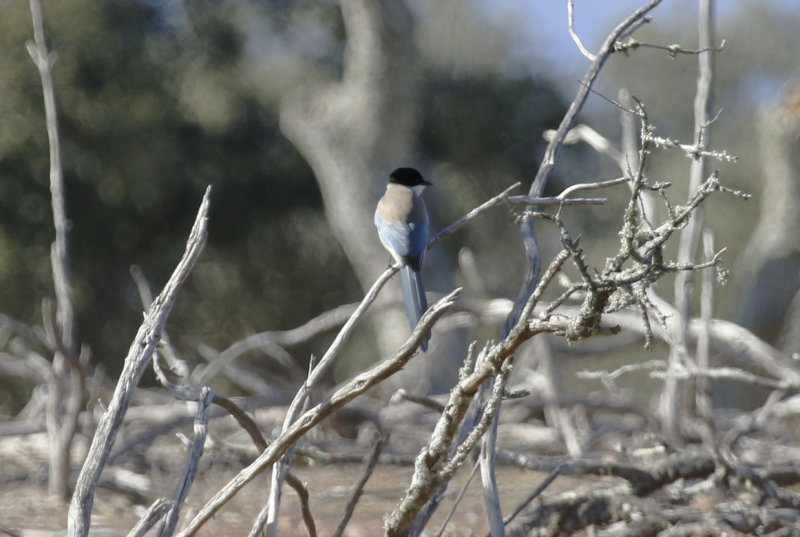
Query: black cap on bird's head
(407,177)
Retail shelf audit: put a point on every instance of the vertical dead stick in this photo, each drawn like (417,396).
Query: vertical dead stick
(139,355)
(193,459)
(60,253)
(690,235)
(705,408)
(63,410)
(491,494)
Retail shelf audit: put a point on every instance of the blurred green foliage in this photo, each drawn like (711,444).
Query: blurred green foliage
(156,102)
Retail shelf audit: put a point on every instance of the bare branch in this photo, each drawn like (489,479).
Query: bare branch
(562,198)
(153,514)
(533,495)
(673,50)
(702,388)
(729,373)
(608,377)
(67,393)
(693,151)
(548,162)
(486,455)
(424,401)
(355,387)
(583,91)
(192,461)
(358,489)
(305,504)
(273,343)
(595,140)
(571,23)
(435,464)
(461,222)
(458,499)
(141,350)
(690,235)
(176,364)
(60,258)
(300,398)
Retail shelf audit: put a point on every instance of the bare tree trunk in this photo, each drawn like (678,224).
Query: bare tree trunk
(770,264)
(353,132)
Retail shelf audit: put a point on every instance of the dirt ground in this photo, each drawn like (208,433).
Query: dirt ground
(26,509)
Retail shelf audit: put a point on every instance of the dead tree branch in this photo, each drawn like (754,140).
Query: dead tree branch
(355,387)
(358,489)
(533,262)
(571,23)
(66,393)
(153,514)
(141,351)
(192,460)
(669,403)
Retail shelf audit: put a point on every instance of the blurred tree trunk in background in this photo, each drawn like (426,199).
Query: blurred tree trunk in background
(771,261)
(355,131)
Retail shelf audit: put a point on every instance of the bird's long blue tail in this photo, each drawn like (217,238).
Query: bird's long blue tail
(414,299)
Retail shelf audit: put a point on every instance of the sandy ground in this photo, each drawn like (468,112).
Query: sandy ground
(26,509)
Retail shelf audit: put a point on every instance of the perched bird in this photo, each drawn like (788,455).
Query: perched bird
(402,222)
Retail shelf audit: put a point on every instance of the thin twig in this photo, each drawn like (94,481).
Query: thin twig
(525,200)
(673,50)
(274,342)
(562,198)
(461,222)
(358,489)
(571,23)
(598,142)
(428,402)
(460,496)
(305,503)
(188,393)
(533,495)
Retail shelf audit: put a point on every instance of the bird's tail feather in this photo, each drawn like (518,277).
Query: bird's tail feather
(414,298)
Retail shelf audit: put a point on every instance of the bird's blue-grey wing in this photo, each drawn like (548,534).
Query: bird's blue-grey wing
(417,243)
(395,236)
